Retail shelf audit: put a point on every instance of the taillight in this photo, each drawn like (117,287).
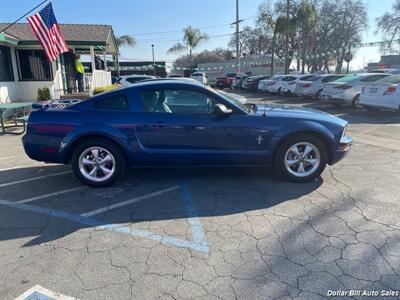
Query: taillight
(271,82)
(343,87)
(306,85)
(390,90)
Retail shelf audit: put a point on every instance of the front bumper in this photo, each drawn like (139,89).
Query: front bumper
(343,148)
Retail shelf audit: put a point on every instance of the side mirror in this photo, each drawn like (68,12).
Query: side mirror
(221,109)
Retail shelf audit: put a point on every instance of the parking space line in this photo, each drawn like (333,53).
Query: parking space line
(31,199)
(34,178)
(197,229)
(90,222)
(13,168)
(128,202)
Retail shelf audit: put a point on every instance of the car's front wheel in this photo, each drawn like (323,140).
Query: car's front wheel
(98,162)
(301,158)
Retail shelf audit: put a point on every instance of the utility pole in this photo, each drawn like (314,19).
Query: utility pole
(287,37)
(237,38)
(154,64)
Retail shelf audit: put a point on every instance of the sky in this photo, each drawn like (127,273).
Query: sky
(160,22)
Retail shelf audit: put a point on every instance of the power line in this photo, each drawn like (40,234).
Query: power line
(180,30)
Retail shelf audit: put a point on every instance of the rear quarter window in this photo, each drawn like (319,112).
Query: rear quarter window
(115,102)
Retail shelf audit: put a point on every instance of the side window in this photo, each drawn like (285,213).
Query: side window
(115,102)
(177,101)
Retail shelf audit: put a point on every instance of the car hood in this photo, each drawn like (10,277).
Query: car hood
(297,112)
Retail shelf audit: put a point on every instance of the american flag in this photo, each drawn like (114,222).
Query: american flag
(46,29)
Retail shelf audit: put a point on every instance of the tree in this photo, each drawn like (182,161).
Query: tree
(272,19)
(351,18)
(389,25)
(206,56)
(192,38)
(125,40)
(306,20)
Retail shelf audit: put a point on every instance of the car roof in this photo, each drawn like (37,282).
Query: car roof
(166,81)
(136,75)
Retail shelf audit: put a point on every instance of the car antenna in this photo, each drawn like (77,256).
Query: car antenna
(265,108)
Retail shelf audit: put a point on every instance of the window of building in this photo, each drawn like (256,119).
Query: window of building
(115,102)
(6,70)
(33,65)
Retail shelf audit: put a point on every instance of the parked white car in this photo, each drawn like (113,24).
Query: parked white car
(347,90)
(199,76)
(384,93)
(313,87)
(274,85)
(289,86)
(128,80)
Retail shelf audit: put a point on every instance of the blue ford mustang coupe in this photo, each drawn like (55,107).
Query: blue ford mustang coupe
(178,122)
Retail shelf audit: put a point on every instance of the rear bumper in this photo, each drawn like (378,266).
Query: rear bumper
(39,149)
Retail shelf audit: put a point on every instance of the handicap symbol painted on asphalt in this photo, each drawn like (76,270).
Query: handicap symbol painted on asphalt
(40,293)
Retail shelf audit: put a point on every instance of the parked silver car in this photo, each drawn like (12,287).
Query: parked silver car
(313,87)
(347,90)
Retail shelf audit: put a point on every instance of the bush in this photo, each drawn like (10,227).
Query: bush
(43,94)
(102,89)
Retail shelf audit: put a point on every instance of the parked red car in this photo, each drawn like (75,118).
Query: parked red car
(224,82)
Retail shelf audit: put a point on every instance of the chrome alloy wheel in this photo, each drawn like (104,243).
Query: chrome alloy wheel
(97,164)
(302,159)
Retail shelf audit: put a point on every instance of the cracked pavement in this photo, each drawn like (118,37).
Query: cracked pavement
(267,238)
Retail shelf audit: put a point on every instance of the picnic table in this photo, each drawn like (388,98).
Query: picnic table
(13,108)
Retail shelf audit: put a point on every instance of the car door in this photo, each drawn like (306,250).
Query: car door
(181,124)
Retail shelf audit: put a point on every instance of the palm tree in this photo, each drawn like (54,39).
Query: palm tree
(192,38)
(279,26)
(306,18)
(123,40)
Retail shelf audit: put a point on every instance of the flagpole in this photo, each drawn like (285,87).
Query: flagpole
(3,30)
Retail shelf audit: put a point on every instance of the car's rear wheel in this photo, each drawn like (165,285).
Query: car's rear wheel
(98,162)
(301,158)
(356,101)
(318,95)
(279,92)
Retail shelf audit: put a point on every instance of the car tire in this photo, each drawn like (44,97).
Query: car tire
(356,101)
(318,95)
(278,92)
(102,154)
(285,156)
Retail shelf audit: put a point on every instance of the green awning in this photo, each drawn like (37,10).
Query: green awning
(7,39)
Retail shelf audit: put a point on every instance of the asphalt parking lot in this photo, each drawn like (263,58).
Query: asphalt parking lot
(207,233)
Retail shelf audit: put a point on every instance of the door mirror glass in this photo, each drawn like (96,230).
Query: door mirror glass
(221,109)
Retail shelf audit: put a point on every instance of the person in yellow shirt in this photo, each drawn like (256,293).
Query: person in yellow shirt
(79,70)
